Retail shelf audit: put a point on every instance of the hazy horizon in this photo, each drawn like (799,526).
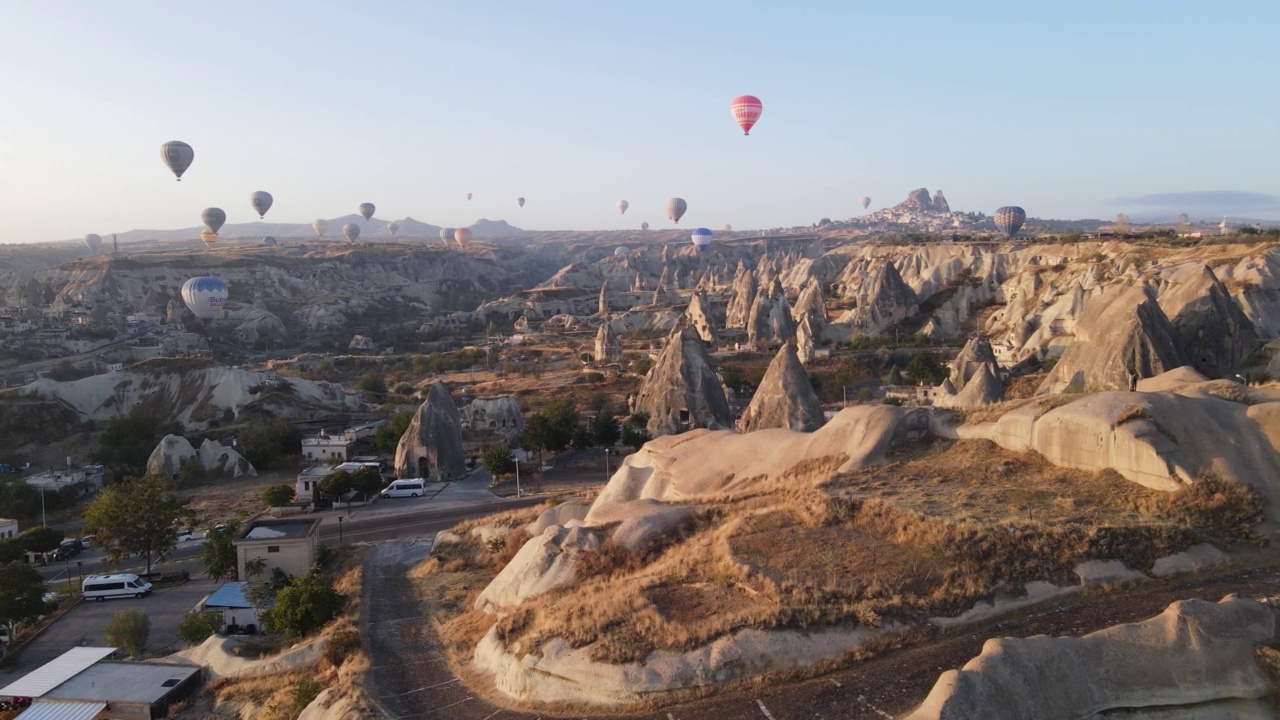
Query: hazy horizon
(1070,111)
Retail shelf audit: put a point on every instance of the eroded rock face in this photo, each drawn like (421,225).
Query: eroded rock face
(544,563)
(742,297)
(699,317)
(812,305)
(169,455)
(880,296)
(770,323)
(497,415)
(608,347)
(785,398)
(983,388)
(972,359)
(1217,335)
(216,459)
(682,390)
(1193,653)
(806,341)
(1120,332)
(431,446)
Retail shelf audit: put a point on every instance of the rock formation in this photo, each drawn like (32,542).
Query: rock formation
(431,446)
(982,388)
(1120,332)
(608,347)
(806,341)
(742,297)
(972,359)
(880,296)
(770,323)
(1214,330)
(785,398)
(217,460)
(682,390)
(496,415)
(812,305)
(699,318)
(360,342)
(602,303)
(1194,653)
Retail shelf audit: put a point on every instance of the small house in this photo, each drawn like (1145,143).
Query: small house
(286,544)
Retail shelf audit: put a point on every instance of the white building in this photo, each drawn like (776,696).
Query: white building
(324,447)
(309,478)
(8,529)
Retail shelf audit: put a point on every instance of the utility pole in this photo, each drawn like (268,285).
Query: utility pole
(517,478)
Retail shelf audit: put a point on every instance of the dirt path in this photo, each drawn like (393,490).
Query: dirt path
(411,678)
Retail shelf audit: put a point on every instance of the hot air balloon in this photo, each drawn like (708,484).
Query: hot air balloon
(701,238)
(213,218)
(205,297)
(746,111)
(676,208)
(393,228)
(520,202)
(621,250)
(261,202)
(468,196)
(446,234)
(462,236)
(866,202)
(622,206)
(93,241)
(209,238)
(268,240)
(366,209)
(728,227)
(177,155)
(644,226)
(320,226)
(1009,219)
(351,231)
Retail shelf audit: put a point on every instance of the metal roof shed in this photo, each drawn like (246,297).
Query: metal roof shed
(55,672)
(62,710)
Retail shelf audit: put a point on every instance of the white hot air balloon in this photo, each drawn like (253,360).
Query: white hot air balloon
(622,206)
(177,156)
(205,297)
(393,228)
(676,208)
(320,226)
(93,241)
(351,231)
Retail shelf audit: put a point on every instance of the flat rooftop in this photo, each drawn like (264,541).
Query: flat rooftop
(269,529)
(124,682)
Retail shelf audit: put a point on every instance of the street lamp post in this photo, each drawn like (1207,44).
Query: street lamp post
(66,566)
(517,477)
(606,464)
(80,571)
(340,530)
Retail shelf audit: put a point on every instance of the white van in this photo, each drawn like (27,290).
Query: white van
(101,587)
(409,487)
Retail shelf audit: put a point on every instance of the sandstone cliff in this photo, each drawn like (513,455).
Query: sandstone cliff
(431,446)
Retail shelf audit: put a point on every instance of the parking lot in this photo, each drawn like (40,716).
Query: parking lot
(83,625)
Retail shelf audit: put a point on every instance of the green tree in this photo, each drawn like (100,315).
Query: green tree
(197,625)
(128,440)
(388,436)
(303,606)
(136,516)
(924,367)
(11,551)
(20,500)
(41,539)
(366,480)
(277,495)
(21,593)
(218,554)
(335,484)
(128,629)
(372,383)
(635,432)
(498,460)
(269,443)
(604,429)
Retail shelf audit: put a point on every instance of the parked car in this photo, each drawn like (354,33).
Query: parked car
(86,542)
(68,549)
(186,535)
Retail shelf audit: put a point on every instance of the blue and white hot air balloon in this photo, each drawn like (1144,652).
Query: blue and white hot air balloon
(268,240)
(205,297)
(701,238)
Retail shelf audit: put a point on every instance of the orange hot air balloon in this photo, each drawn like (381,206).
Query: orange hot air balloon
(746,111)
(462,236)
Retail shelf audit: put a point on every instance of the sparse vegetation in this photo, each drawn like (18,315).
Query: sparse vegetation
(128,629)
(197,625)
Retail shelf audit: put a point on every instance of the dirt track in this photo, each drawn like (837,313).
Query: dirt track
(411,678)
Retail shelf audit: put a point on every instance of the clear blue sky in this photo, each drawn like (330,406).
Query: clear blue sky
(1059,107)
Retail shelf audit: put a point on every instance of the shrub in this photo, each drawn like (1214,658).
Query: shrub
(128,629)
(340,646)
(197,625)
(303,606)
(277,495)
(1225,512)
(305,692)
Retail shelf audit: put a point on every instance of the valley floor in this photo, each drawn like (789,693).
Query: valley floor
(410,676)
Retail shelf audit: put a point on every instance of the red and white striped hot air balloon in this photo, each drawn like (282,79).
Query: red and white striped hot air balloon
(746,111)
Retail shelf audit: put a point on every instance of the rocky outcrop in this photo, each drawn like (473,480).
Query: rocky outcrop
(974,357)
(1194,653)
(811,304)
(495,415)
(360,342)
(806,341)
(983,388)
(608,347)
(1217,335)
(699,318)
(682,390)
(879,295)
(741,298)
(602,302)
(770,323)
(546,562)
(214,458)
(785,398)
(1121,332)
(431,446)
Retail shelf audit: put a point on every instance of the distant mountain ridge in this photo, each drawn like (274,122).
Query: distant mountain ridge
(374,228)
